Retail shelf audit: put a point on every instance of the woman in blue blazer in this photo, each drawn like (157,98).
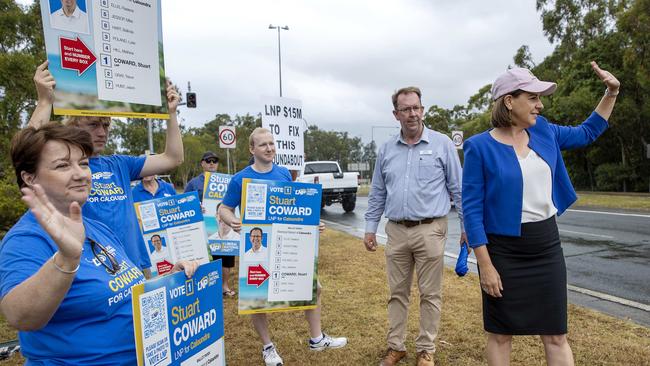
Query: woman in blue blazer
(514,184)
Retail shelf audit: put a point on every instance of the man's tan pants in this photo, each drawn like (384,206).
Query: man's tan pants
(420,247)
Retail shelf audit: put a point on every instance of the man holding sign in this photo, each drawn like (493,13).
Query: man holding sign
(210,164)
(111,199)
(262,147)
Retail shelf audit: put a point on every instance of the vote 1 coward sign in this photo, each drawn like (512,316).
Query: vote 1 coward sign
(179,320)
(278,250)
(106,56)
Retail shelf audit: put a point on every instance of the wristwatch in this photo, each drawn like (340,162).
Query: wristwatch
(610,94)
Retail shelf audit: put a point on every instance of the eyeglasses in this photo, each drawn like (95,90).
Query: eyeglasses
(103,256)
(408,110)
(211,161)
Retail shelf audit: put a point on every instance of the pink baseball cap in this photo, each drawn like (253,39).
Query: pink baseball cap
(519,78)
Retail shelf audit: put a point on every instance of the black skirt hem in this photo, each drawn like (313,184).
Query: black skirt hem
(524,332)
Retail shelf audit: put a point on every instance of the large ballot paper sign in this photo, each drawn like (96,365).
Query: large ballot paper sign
(179,321)
(106,57)
(283,117)
(278,251)
(173,230)
(222,239)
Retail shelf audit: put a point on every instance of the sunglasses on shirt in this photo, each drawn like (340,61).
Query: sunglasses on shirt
(104,257)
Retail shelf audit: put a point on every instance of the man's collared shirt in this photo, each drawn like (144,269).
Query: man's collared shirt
(141,194)
(76,22)
(256,256)
(414,182)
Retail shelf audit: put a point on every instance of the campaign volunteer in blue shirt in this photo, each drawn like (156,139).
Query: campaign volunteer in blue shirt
(151,187)
(262,147)
(514,184)
(111,201)
(65,279)
(210,164)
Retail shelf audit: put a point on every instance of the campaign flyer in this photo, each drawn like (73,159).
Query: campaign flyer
(106,56)
(173,229)
(179,321)
(278,266)
(222,239)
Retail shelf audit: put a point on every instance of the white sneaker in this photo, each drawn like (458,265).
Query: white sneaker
(271,357)
(328,342)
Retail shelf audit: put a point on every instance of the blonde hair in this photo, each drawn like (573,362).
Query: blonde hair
(256,131)
(74,120)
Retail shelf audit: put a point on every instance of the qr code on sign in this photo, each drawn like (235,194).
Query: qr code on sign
(153,307)
(149,217)
(255,201)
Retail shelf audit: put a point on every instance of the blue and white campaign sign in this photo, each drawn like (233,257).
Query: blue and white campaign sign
(173,229)
(106,56)
(279,246)
(222,239)
(179,321)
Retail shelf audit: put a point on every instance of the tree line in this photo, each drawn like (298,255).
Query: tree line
(616,33)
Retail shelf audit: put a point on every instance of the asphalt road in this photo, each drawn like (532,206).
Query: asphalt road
(607,255)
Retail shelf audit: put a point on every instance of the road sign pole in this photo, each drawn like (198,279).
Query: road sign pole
(228,159)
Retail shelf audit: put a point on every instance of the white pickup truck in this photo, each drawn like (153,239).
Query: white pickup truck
(337,186)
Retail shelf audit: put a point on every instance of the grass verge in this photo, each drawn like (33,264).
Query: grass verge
(354,304)
(614,200)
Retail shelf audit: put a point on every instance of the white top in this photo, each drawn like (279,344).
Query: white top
(259,256)
(157,257)
(77,22)
(537,204)
(232,235)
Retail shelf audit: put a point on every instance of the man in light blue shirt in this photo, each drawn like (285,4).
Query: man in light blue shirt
(415,173)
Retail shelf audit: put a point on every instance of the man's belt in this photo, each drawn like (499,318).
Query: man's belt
(411,223)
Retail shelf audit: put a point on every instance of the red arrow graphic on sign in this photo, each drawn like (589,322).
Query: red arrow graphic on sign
(257,275)
(164,267)
(75,55)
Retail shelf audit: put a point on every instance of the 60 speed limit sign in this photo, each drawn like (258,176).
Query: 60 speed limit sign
(457,138)
(227,137)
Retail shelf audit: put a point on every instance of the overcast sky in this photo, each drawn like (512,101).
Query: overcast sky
(342,58)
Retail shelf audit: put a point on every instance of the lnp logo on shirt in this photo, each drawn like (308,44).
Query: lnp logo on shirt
(102,175)
(105,188)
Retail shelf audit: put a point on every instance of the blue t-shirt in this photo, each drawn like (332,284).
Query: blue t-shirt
(233,194)
(111,201)
(164,190)
(196,185)
(94,323)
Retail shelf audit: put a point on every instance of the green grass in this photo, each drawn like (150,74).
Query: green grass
(363,190)
(354,305)
(614,200)
(594,200)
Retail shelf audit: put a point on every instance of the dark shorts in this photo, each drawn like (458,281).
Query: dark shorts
(227,261)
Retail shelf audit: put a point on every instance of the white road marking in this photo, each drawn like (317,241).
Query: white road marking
(610,213)
(611,298)
(581,233)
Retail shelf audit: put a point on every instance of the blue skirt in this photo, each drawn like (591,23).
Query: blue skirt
(533,274)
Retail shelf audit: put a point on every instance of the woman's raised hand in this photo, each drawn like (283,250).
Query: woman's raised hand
(67,231)
(610,80)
